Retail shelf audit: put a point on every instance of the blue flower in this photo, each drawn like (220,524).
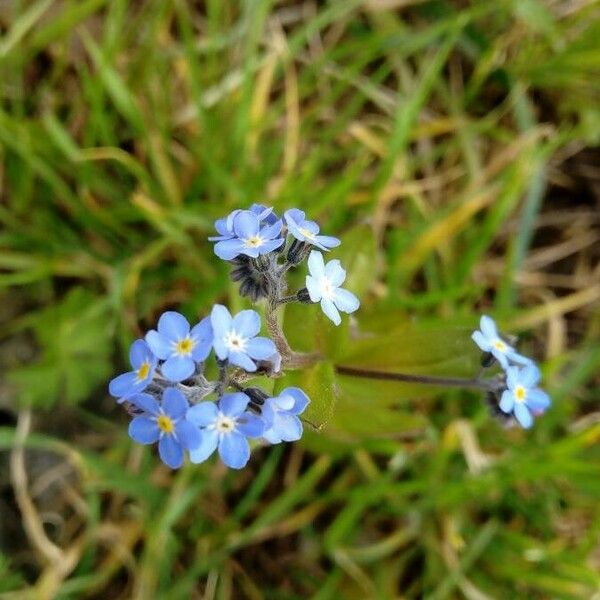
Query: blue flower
(179,347)
(224,226)
(280,415)
(143,362)
(235,338)
(323,285)
(249,237)
(523,397)
(489,340)
(307,231)
(166,424)
(225,426)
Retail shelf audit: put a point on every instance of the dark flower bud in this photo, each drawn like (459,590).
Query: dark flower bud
(297,252)
(487,359)
(303,296)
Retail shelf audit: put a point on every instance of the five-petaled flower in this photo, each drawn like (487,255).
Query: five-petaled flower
(165,423)
(224,226)
(280,415)
(249,237)
(307,231)
(179,347)
(235,338)
(523,398)
(489,340)
(323,285)
(225,426)
(143,362)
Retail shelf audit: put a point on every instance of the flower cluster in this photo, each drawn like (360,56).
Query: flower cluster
(518,390)
(168,394)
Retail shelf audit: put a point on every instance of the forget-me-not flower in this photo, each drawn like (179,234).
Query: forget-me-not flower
(523,398)
(144,363)
(224,226)
(225,427)
(165,423)
(280,415)
(308,231)
(323,285)
(235,338)
(179,347)
(250,238)
(489,340)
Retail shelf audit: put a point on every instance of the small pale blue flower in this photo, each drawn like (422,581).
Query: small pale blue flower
(523,398)
(323,285)
(165,423)
(249,237)
(280,415)
(179,347)
(235,338)
(308,231)
(144,363)
(489,340)
(225,427)
(224,226)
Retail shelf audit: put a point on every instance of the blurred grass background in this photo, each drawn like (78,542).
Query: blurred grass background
(452,145)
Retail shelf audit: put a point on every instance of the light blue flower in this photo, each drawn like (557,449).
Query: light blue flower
(249,238)
(523,398)
(224,226)
(307,231)
(235,338)
(179,347)
(323,285)
(225,427)
(166,424)
(144,363)
(280,415)
(489,340)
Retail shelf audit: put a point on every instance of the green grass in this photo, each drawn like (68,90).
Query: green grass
(452,150)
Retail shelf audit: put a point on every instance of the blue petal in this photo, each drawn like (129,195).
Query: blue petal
(139,353)
(222,228)
(233,405)
(242,360)
(523,415)
(147,403)
(316,264)
(260,348)
(481,341)
(173,326)
(272,231)
(208,444)
(246,224)
(272,436)
(202,350)
(247,323)
(500,357)
(270,245)
(507,402)
(288,427)
(221,320)
(530,376)
(178,368)
(512,377)
(144,430)
(174,403)
(488,327)
(125,385)
(330,310)
(346,301)
(284,401)
(538,399)
(295,232)
(314,289)
(170,451)
(267,414)
(203,414)
(188,435)
(301,400)
(229,249)
(518,358)
(250,425)
(327,241)
(159,344)
(202,334)
(335,273)
(294,216)
(234,450)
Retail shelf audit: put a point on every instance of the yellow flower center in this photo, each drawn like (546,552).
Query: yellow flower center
(254,242)
(520,393)
(143,371)
(165,424)
(306,233)
(500,345)
(185,346)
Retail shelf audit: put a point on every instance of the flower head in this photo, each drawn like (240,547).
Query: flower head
(489,340)
(280,415)
(308,231)
(523,398)
(143,362)
(179,347)
(224,226)
(235,338)
(165,423)
(324,283)
(249,237)
(225,427)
